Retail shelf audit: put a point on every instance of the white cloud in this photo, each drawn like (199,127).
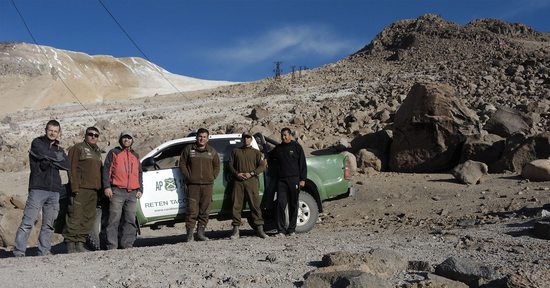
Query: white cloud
(525,6)
(290,42)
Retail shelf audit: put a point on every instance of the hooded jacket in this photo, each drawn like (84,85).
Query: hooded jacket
(122,169)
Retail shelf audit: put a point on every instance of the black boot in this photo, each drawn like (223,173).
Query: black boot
(260,231)
(235,233)
(71,247)
(200,233)
(189,236)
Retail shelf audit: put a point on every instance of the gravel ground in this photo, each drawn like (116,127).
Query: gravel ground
(354,224)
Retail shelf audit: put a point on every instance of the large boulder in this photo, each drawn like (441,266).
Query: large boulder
(507,121)
(487,148)
(429,129)
(519,152)
(10,219)
(470,172)
(378,141)
(382,262)
(466,271)
(366,159)
(373,268)
(537,170)
(337,276)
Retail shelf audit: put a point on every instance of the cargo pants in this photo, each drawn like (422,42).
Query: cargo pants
(48,202)
(199,202)
(246,190)
(81,214)
(123,205)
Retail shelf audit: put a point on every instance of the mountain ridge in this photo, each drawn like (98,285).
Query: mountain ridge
(32,75)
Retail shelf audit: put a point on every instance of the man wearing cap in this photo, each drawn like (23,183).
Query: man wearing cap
(199,165)
(85,180)
(123,184)
(245,164)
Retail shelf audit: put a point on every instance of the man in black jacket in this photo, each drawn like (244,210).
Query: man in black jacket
(46,159)
(292,174)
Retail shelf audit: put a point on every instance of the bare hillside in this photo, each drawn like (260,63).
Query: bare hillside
(32,77)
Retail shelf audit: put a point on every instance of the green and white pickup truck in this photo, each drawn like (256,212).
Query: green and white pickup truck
(163,200)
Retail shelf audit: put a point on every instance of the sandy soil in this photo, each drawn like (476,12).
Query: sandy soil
(425,217)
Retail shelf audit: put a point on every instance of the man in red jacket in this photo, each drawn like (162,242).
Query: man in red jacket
(122,181)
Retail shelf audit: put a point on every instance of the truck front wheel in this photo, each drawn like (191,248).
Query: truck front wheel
(308,212)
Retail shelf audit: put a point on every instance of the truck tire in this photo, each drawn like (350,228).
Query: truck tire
(308,212)
(93,241)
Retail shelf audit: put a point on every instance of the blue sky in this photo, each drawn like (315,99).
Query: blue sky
(238,40)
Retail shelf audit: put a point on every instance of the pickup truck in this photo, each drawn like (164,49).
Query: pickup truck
(163,200)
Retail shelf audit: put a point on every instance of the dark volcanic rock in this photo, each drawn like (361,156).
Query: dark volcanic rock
(429,129)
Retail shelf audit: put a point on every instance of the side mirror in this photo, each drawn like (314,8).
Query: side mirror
(149,162)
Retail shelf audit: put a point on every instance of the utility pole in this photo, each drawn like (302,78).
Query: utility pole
(293,69)
(278,69)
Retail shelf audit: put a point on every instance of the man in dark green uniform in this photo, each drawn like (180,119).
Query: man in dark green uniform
(85,180)
(199,165)
(245,164)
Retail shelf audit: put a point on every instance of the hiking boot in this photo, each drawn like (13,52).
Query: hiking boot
(71,247)
(235,234)
(260,231)
(189,236)
(47,253)
(79,247)
(200,233)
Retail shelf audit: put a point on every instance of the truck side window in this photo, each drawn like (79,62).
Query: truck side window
(169,157)
(225,146)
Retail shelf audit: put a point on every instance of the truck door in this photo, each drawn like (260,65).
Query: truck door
(164,190)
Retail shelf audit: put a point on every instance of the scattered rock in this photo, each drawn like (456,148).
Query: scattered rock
(419,266)
(366,159)
(542,229)
(466,271)
(470,172)
(537,170)
(328,277)
(258,113)
(507,121)
(17,202)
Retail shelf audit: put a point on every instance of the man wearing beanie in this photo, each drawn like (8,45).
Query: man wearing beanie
(123,185)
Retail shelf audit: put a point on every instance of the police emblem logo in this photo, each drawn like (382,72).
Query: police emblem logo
(170,184)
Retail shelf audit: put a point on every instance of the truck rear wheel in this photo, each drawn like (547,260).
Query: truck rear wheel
(308,212)
(93,240)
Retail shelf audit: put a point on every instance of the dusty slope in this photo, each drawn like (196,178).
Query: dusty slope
(34,77)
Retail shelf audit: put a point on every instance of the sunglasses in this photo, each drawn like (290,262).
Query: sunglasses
(94,135)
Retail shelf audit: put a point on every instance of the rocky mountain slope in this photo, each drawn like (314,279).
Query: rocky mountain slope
(488,63)
(35,77)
